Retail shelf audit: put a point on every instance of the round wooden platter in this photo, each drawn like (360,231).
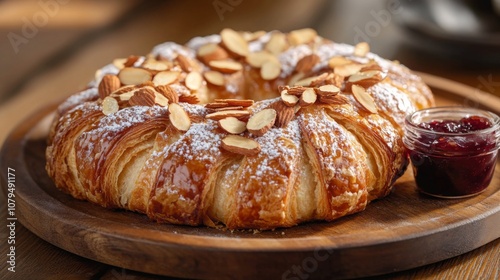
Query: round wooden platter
(402,231)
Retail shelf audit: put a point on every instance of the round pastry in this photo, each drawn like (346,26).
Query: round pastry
(248,130)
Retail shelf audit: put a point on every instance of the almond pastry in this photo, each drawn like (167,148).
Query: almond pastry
(240,129)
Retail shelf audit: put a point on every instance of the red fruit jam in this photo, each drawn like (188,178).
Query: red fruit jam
(453,150)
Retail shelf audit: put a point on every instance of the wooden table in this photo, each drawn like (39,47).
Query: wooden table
(37,259)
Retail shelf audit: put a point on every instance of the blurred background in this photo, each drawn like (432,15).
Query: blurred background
(54,46)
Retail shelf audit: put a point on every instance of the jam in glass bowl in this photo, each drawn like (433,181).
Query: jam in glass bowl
(453,150)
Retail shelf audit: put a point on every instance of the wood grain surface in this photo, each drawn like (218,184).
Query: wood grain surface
(403,231)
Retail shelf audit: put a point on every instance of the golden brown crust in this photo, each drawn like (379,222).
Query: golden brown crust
(320,159)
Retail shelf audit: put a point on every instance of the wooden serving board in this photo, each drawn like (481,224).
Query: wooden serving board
(403,231)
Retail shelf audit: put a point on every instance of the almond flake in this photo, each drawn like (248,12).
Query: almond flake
(119,62)
(228,108)
(236,102)
(288,99)
(256,59)
(184,63)
(348,69)
(277,43)
(361,49)
(306,81)
(153,64)
(124,93)
(307,63)
(109,105)
(130,61)
(240,145)
(211,51)
(302,36)
(165,78)
(284,113)
(252,36)
(232,125)
(261,122)
(109,83)
(134,76)
(193,80)
(234,42)
(216,105)
(308,97)
(295,78)
(226,66)
(142,97)
(270,70)
(334,99)
(365,79)
(178,117)
(372,66)
(214,78)
(365,99)
(161,100)
(224,114)
(362,76)
(297,90)
(169,93)
(191,99)
(337,61)
(327,90)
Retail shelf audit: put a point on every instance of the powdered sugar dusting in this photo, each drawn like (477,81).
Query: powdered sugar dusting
(78,98)
(197,42)
(203,145)
(170,50)
(290,57)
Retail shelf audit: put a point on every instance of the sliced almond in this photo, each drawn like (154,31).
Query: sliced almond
(372,66)
(327,90)
(155,65)
(169,93)
(337,61)
(194,80)
(134,76)
(362,76)
(302,36)
(334,99)
(226,66)
(109,83)
(307,63)
(365,79)
(232,125)
(270,70)
(216,105)
(365,99)
(225,114)
(297,90)
(165,78)
(214,78)
(124,93)
(228,108)
(236,102)
(277,43)
(252,36)
(143,97)
(240,145)
(306,81)
(211,51)
(261,122)
(348,69)
(178,117)
(308,97)
(288,99)
(130,61)
(284,113)
(119,62)
(161,100)
(256,59)
(184,63)
(295,78)
(234,42)
(109,105)
(191,99)
(361,49)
